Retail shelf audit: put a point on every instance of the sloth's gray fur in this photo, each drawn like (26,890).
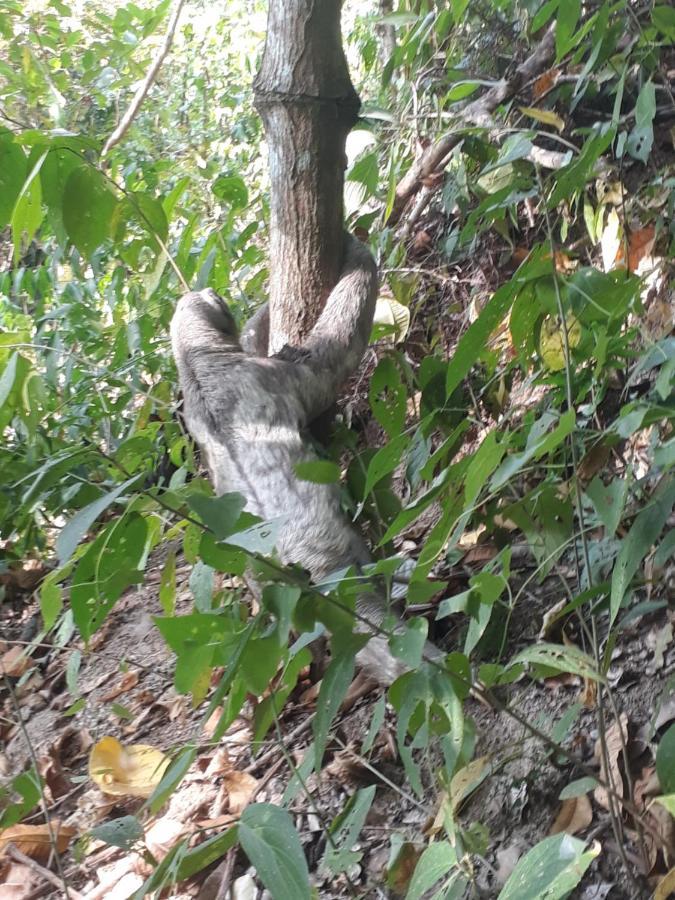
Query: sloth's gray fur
(248,414)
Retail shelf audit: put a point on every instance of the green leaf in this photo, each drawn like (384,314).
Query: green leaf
(74,530)
(270,841)
(385,461)
(171,779)
(663,18)
(27,213)
(51,602)
(333,689)
(29,787)
(665,761)
(167,585)
(645,530)
(474,339)
(568,16)
(573,177)
(578,788)
(219,514)
(149,213)
(123,832)
(318,471)
(641,138)
(551,869)
(387,396)
(539,442)
(13,171)
(198,858)
(667,802)
(462,89)
(231,189)
(408,644)
(88,207)
(437,860)
(608,501)
(345,831)
(543,15)
(557,658)
(58,165)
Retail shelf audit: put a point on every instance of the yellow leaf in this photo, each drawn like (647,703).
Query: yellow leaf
(610,242)
(394,316)
(666,887)
(467,780)
(133,771)
(547,116)
(552,343)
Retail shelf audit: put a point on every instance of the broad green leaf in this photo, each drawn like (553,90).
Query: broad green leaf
(318,471)
(149,213)
(74,530)
(557,658)
(385,461)
(539,442)
(551,869)
(643,533)
(462,89)
(56,168)
(123,832)
(668,802)
(28,786)
(270,841)
(573,177)
(665,761)
(387,395)
(201,856)
(219,514)
(663,17)
(435,863)
(568,16)
(641,138)
(27,213)
(51,602)
(13,171)
(608,501)
(333,689)
(88,207)
(231,189)
(578,788)
(474,339)
(408,644)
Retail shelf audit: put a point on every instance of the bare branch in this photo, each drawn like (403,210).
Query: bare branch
(479,112)
(146,84)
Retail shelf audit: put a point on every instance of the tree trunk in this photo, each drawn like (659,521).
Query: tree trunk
(308,105)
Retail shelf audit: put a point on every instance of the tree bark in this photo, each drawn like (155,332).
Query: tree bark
(308,104)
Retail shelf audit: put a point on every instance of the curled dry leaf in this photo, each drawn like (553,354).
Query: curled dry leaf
(36,841)
(615,738)
(128,681)
(14,661)
(575,814)
(133,771)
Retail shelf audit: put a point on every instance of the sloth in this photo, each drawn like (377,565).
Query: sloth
(249,414)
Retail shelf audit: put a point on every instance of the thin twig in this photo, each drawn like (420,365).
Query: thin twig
(146,84)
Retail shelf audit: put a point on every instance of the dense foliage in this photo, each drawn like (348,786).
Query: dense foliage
(96,471)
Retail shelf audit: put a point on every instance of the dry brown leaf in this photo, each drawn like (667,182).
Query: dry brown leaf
(575,814)
(15,662)
(17,882)
(401,870)
(35,840)
(467,780)
(240,788)
(545,82)
(133,771)
(640,246)
(615,738)
(589,693)
(129,680)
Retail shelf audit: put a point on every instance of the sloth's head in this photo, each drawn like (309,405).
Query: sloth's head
(208,310)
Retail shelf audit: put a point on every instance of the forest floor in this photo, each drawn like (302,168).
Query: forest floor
(125,690)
